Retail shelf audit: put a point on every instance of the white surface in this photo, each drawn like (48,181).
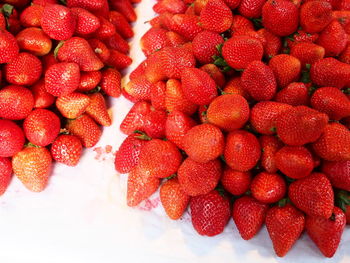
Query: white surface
(82,217)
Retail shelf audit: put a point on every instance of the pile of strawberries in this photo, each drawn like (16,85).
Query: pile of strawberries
(58,62)
(241,109)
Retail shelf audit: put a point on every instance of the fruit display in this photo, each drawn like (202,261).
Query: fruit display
(241,112)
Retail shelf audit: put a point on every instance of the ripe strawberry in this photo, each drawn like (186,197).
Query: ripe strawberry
(216,16)
(300,125)
(122,26)
(86,22)
(111,82)
(249,216)
(118,60)
(264,115)
(136,117)
(97,109)
(301,36)
(232,4)
(228,112)
(25,69)
(125,8)
(313,195)
(215,73)
(307,53)
(270,145)
(344,19)
(62,78)
(89,80)
(72,105)
(338,173)
(205,46)
(85,4)
(100,49)
(234,86)
(331,101)
(31,16)
(5,174)
(58,22)
(175,39)
(295,94)
(294,161)
(242,150)
(43,2)
(258,79)
(173,198)
(199,178)
(153,40)
(187,26)
(251,9)
(235,182)
(286,69)
(34,40)
(16,102)
(333,38)
(212,221)
(326,232)
(66,149)
(9,49)
(48,60)
(171,6)
(268,188)
(85,129)
(197,85)
(2,22)
(280,17)
(138,89)
(315,16)
(157,91)
(273,43)
(32,166)
(334,143)
(155,123)
(285,225)
(11,138)
(105,30)
(240,51)
(241,24)
(345,55)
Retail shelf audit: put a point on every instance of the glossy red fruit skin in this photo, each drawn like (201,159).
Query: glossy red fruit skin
(215,73)
(268,188)
(8,48)
(154,39)
(295,94)
(86,22)
(121,24)
(34,40)
(315,16)
(251,9)
(210,222)
(307,53)
(286,69)
(11,138)
(31,16)
(155,123)
(185,25)
(67,149)
(216,16)
(5,174)
(205,46)
(338,173)
(269,146)
(136,117)
(158,91)
(235,182)
(89,80)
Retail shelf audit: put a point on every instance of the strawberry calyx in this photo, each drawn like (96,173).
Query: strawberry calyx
(7,10)
(64,131)
(283,202)
(342,199)
(59,45)
(143,136)
(29,144)
(171,176)
(93,91)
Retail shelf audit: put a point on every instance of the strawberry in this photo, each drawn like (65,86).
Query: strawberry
(286,69)
(100,49)
(34,40)
(313,195)
(344,19)
(155,123)
(234,86)
(295,94)
(300,125)
(32,166)
(205,46)
(62,78)
(345,55)
(258,79)
(171,6)
(215,73)
(105,30)
(48,60)
(229,112)
(249,216)
(9,49)
(66,149)
(232,4)
(111,82)
(210,213)
(89,80)
(125,8)
(136,117)
(334,143)
(280,17)
(268,188)
(307,53)
(241,24)
(333,38)
(273,43)
(199,178)
(31,16)
(72,105)
(235,182)
(2,22)
(242,150)
(97,109)
(264,115)
(11,138)
(187,26)
(284,225)
(25,69)
(240,51)
(43,2)
(270,145)
(85,4)
(173,198)
(157,91)
(216,16)
(197,85)
(86,22)
(85,129)
(16,102)
(294,161)
(118,60)
(58,22)
(128,154)
(326,232)
(153,40)
(5,174)
(331,101)
(138,89)
(175,39)
(251,9)
(121,24)
(338,173)
(315,16)
(301,36)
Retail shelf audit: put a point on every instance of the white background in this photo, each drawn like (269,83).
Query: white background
(82,218)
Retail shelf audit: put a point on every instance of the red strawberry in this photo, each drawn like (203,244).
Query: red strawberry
(173,198)
(268,188)
(16,102)
(121,24)
(232,4)
(301,36)
(313,195)
(158,91)
(249,216)
(285,225)
(258,79)
(25,69)
(235,182)
(273,43)
(11,138)
(43,2)
(281,17)
(97,109)
(48,60)
(86,23)
(89,80)
(344,19)
(187,26)
(286,69)
(5,174)
(62,78)
(307,53)
(215,73)
(127,156)
(210,213)
(111,82)
(136,117)
(155,123)
(138,89)
(333,38)
(125,8)
(175,39)
(58,22)
(251,9)
(85,129)
(338,173)
(42,99)
(118,60)
(331,101)
(345,55)
(216,16)
(295,162)
(31,16)
(300,125)
(153,40)
(295,94)
(315,16)
(205,46)
(86,4)
(242,150)
(199,178)
(241,24)
(172,6)
(105,30)
(34,40)
(234,86)
(269,146)
(326,232)
(2,22)
(100,49)
(334,143)
(8,48)
(32,166)
(66,149)
(72,105)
